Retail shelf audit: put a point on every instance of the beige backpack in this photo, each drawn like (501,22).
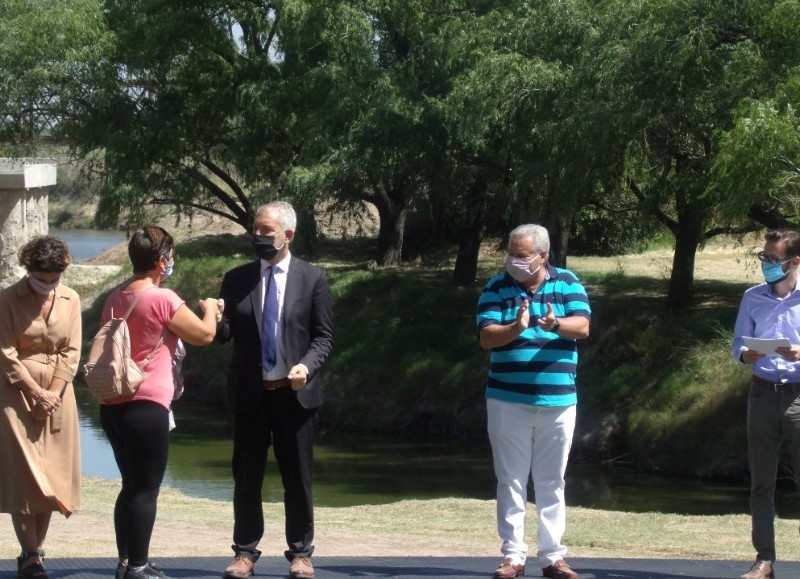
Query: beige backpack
(110,372)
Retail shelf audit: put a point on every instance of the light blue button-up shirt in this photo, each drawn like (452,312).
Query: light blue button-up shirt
(762,314)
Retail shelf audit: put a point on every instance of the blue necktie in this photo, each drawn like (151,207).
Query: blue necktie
(269,322)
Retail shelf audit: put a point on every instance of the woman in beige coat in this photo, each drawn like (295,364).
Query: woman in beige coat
(40,342)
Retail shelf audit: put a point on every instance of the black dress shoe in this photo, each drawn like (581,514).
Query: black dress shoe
(149,571)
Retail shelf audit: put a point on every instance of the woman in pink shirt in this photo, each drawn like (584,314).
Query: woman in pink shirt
(137,426)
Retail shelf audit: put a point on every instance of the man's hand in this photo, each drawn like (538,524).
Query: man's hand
(523,315)
(750,356)
(298,377)
(547,321)
(791,354)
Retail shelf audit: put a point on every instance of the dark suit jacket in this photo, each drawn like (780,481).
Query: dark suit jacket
(306,323)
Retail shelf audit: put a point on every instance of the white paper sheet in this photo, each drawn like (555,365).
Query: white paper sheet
(766,346)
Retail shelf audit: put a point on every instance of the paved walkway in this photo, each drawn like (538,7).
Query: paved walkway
(412,568)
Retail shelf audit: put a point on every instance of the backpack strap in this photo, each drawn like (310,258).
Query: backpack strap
(149,356)
(146,361)
(134,302)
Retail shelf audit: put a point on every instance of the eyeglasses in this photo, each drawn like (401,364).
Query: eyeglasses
(769,259)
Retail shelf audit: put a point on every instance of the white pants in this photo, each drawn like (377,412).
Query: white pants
(536,440)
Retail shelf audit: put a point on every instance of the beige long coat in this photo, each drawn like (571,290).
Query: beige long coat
(40,465)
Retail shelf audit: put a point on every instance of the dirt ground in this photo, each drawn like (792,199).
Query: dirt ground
(188,526)
(93,536)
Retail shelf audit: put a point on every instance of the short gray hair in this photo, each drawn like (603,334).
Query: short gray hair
(536,233)
(285,211)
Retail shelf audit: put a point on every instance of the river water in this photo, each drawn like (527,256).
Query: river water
(368,469)
(87,243)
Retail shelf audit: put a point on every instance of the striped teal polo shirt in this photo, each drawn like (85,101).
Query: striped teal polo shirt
(537,368)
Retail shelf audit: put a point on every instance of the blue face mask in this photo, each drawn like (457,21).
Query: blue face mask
(773,272)
(169,269)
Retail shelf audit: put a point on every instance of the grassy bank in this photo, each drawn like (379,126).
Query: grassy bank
(200,527)
(652,383)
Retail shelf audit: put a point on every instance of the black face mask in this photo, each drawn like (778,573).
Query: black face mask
(264,246)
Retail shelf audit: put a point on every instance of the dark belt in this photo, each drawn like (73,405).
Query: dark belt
(779,387)
(277,384)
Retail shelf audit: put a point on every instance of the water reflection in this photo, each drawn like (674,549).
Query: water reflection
(349,470)
(364,469)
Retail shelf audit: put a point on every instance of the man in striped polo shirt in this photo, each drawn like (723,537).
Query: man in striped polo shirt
(530,317)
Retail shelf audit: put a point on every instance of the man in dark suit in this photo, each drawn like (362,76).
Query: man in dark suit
(278,311)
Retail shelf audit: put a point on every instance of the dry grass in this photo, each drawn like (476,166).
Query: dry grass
(718,262)
(462,527)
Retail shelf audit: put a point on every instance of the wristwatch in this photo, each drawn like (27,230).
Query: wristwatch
(556,327)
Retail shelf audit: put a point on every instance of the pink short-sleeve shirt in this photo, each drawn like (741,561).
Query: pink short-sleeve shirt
(147,323)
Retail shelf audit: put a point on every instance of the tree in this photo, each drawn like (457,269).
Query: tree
(537,139)
(674,73)
(199,105)
(759,159)
(381,131)
(43,53)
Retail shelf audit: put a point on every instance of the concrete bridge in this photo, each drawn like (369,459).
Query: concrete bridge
(24,191)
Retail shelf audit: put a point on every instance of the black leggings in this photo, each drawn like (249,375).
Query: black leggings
(139,435)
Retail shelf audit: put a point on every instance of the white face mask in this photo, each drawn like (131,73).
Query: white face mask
(520,267)
(41,287)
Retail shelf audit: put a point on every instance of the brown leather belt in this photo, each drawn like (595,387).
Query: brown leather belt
(778,387)
(277,384)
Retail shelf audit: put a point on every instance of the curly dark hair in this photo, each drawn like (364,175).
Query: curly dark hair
(147,246)
(46,254)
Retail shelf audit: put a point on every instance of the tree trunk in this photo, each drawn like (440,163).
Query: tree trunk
(305,241)
(469,244)
(392,216)
(688,235)
(466,269)
(559,241)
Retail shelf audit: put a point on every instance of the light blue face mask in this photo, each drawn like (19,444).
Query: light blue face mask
(169,269)
(773,272)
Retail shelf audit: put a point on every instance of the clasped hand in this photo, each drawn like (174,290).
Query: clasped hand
(216,306)
(47,403)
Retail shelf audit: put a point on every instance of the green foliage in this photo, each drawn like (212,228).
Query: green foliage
(669,383)
(403,340)
(688,405)
(615,228)
(45,49)
(760,156)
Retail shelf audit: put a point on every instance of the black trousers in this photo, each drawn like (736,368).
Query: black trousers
(139,435)
(279,420)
